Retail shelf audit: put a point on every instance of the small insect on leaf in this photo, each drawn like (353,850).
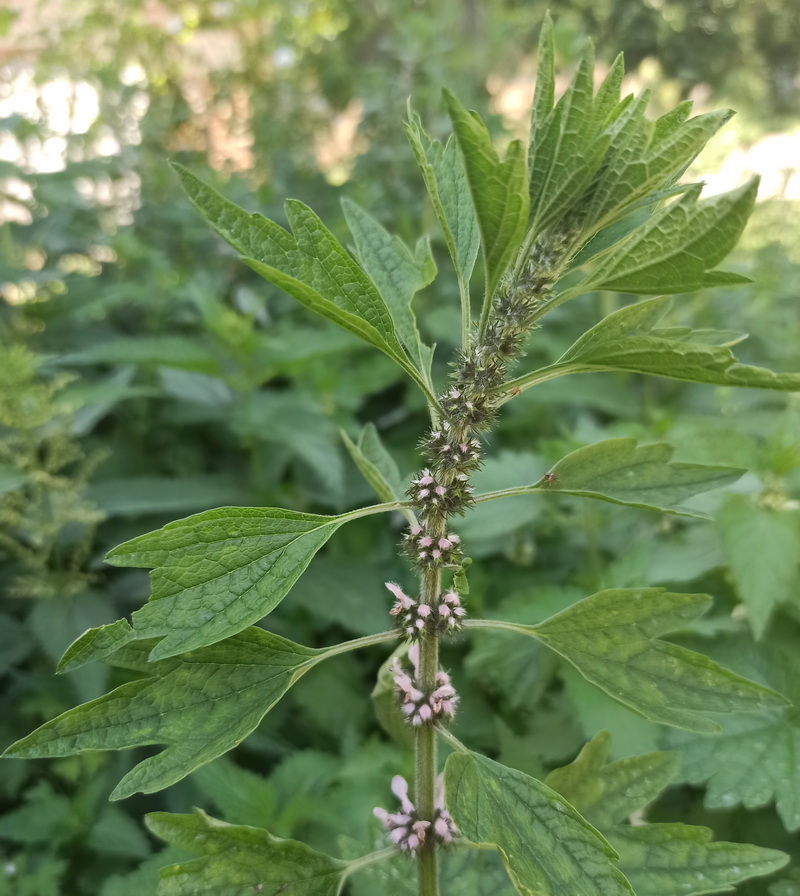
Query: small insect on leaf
(549,478)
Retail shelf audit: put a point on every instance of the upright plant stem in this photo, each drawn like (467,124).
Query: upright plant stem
(425,773)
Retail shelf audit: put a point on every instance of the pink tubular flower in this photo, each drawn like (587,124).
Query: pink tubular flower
(418,707)
(404,602)
(406,830)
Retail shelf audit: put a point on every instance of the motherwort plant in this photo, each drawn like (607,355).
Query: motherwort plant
(594,202)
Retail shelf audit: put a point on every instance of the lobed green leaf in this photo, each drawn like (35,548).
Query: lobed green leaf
(672,251)
(621,472)
(199,705)
(546,846)
(397,274)
(237,859)
(752,763)
(658,859)
(445,179)
(607,793)
(217,572)
(629,340)
(761,544)
(611,638)
(309,264)
(568,147)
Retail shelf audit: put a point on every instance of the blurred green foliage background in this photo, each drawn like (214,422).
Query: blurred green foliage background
(145,374)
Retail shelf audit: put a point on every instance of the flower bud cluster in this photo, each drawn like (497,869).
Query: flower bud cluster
(442,493)
(412,618)
(418,706)
(409,832)
(427,551)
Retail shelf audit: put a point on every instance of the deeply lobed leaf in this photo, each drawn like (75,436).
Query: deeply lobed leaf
(607,793)
(672,251)
(499,192)
(442,170)
(309,264)
(217,572)
(611,638)
(658,859)
(199,705)
(630,340)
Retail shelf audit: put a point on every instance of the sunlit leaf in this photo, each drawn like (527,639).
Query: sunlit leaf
(499,190)
(442,170)
(673,250)
(308,264)
(397,273)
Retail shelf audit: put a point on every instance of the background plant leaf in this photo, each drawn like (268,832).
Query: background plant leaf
(607,793)
(761,546)
(682,860)
(658,859)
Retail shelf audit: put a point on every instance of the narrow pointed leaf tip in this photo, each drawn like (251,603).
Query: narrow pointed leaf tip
(442,170)
(611,638)
(217,572)
(199,705)
(309,264)
(546,846)
(237,859)
(499,191)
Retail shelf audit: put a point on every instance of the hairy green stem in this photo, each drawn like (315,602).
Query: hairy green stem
(425,759)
